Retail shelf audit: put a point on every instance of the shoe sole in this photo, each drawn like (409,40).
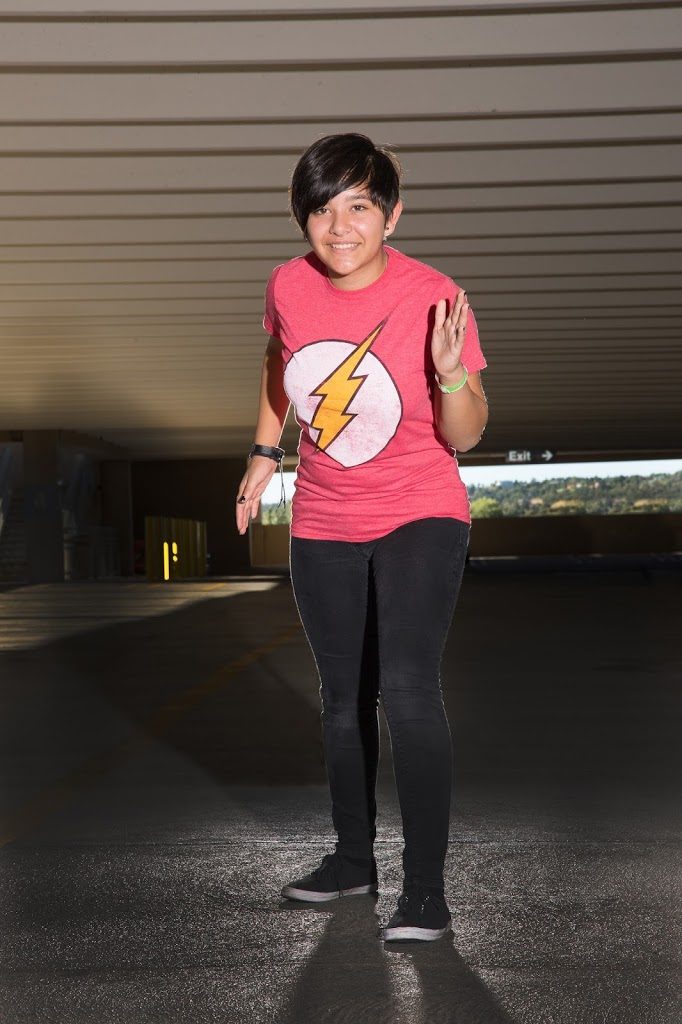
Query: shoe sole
(309,896)
(424,934)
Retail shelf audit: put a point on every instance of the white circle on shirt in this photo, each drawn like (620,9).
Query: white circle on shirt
(348,418)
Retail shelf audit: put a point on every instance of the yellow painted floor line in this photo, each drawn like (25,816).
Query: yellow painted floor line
(36,810)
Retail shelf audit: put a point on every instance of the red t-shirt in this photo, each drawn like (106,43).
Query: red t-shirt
(359,373)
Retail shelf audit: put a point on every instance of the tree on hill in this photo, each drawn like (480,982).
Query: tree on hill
(485,508)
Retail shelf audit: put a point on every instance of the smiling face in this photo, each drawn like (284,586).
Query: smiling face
(347,234)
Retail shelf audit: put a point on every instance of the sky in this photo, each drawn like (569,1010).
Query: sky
(482,475)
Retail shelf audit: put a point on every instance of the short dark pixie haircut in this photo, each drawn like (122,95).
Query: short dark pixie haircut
(337,162)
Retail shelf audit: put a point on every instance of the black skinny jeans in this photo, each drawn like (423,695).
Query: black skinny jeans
(376,615)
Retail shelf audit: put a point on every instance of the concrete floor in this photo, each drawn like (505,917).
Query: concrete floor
(163,777)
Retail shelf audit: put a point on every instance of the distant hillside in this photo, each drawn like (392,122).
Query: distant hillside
(660,492)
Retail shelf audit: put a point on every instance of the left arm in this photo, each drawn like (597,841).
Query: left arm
(461,417)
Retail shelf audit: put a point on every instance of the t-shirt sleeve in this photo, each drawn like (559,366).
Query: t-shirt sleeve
(472,354)
(270,317)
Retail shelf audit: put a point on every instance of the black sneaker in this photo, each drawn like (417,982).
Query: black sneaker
(336,876)
(422,914)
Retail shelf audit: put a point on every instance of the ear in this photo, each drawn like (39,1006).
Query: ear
(393,219)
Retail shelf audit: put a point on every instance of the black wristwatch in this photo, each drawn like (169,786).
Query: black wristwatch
(271,451)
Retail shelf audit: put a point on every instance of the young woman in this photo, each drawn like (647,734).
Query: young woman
(379,354)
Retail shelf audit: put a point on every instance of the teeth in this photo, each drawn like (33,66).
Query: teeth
(346,245)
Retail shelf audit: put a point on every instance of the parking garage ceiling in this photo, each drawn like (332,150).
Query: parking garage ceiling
(145,152)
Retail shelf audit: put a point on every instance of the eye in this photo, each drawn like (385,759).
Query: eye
(359,206)
(320,209)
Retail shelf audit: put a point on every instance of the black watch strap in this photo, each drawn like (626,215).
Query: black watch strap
(270,451)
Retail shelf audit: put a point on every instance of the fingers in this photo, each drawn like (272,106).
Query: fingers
(244,505)
(250,490)
(248,507)
(463,313)
(441,309)
(458,314)
(245,511)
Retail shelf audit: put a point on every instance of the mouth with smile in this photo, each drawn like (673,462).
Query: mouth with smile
(343,246)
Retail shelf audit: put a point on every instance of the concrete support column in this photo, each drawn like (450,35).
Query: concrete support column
(117,507)
(42,507)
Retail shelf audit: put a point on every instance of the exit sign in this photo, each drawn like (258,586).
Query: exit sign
(529,455)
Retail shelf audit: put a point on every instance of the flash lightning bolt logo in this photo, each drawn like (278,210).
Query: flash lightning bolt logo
(337,392)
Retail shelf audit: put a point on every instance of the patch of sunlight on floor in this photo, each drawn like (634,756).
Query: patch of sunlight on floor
(407,989)
(31,616)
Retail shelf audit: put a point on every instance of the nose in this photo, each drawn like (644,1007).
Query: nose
(339,224)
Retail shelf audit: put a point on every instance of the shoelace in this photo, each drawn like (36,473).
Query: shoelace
(406,899)
(328,861)
(413,893)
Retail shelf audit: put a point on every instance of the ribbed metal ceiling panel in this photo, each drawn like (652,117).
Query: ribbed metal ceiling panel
(145,152)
